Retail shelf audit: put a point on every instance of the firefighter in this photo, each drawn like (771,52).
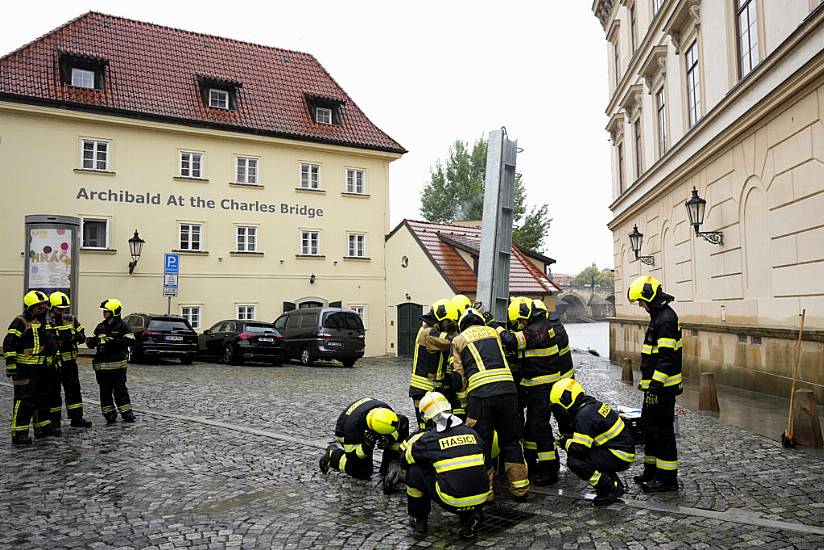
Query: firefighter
(661,383)
(69,333)
(28,349)
(541,344)
(481,369)
(598,444)
(457,399)
(365,424)
(431,352)
(111,338)
(446,465)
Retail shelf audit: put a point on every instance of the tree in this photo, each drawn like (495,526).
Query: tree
(594,277)
(456,191)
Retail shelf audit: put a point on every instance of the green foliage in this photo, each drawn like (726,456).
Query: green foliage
(594,277)
(456,191)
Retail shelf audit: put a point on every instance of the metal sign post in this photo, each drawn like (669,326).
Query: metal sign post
(171,272)
(496,229)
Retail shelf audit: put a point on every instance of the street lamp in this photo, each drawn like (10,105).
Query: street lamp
(636,238)
(135,249)
(696,206)
(312,279)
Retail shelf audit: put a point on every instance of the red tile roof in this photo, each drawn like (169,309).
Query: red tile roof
(441,243)
(152,72)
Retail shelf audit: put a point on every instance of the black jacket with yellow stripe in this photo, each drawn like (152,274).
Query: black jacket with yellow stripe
(457,455)
(351,425)
(595,424)
(661,352)
(111,354)
(479,364)
(543,351)
(29,341)
(429,361)
(69,333)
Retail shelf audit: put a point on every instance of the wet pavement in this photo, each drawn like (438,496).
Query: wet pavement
(226,457)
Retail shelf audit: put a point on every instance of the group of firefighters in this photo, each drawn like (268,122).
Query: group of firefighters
(485,391)
(40,349)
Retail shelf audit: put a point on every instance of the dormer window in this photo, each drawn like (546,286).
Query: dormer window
(219,93)
(82,78)
(324,109)
(219,99)
(82,71)
(323,115)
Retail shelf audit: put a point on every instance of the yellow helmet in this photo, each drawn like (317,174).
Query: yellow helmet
(470,317)
(565,392)
(539,304)
(382,420)
(432,404)
(644,288)
(33,298)
(520,308)
(445,310)
(59,299)
(113,305)
(462,302)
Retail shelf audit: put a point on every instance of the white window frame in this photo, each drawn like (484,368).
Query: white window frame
(191,170)
(83,220)
(190,232)
(361,313)
(306,242)
(656,6)
(309,182)
(194,310)
(224,94)
(352,181)
(247,230)
(660,100)
(352,239)
(692,73)
(244,177)
(245,308)
(327,112)
(749,59)
(81,80)
(638,144)
(99,146)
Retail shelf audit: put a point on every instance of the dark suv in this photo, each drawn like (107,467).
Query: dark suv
(161,336)
(234,341)
(322,333)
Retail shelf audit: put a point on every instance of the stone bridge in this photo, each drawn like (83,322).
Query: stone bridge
(581,302)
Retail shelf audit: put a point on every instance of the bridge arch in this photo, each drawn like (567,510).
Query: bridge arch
(573,306)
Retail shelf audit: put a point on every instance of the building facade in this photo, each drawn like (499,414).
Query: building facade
(248,161)
(727,98)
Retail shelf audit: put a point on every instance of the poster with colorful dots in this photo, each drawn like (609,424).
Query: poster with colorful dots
(50,258)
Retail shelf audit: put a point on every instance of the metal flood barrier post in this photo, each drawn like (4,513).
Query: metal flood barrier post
(51,252)
(496,228)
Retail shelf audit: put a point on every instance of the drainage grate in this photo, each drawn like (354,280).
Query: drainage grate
(500,519)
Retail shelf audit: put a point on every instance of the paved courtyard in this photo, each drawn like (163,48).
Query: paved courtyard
(226,457)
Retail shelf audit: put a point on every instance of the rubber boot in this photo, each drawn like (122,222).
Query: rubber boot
(110,419)
(469,525)
(80,423)
(609,489)
(663,483)
(647,475)
(421,527)
(51,431)
(546,473)
(20,438)
(129,417)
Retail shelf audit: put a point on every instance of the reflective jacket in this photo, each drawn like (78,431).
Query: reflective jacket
(457,455)
(351,426)
(661,352)
(69,333)
(429,361)
(543,351)
(595,424)
(478,359)
(28,342)
(110,354)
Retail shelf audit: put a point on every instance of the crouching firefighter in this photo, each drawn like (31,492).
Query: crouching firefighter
(445,464)
(600,444)
(69,333)
(365,424)
(111,338)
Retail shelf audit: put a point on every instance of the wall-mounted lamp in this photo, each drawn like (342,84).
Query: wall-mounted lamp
(696,206)
(408,297)
(135,249)
(636,239)
(312,279)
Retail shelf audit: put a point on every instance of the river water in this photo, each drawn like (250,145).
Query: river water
(586,336)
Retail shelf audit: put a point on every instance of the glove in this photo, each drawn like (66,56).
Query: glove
(382,442)
(91,341)
(369,439)
(655,386)
(393,477)
(562,442)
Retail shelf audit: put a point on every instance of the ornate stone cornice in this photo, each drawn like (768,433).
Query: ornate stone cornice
(603,10)
(632,100)
(615,127)
(654,67)
(685,17)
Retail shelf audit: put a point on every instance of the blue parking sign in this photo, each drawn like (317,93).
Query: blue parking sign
(171,263)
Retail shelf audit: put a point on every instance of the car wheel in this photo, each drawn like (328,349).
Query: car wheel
(348,363)
(306,358)
(187,360)
(229,355)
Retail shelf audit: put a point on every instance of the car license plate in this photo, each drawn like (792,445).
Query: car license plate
(174,338)
(334,344)
(266,339)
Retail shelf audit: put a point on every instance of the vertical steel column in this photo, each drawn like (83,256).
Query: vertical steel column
(496,230)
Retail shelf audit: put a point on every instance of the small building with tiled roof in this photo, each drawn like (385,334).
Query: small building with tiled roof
(427,261)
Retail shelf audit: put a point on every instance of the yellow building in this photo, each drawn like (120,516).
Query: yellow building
(249,161)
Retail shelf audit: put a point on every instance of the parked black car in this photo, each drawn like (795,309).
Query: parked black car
(161,336)
(234,341)
(322,333)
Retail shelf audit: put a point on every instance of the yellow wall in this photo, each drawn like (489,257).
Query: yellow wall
(39,155)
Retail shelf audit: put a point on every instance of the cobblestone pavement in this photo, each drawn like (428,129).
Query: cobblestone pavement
(226,457)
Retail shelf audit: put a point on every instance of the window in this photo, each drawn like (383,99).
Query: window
(246,238)
(661,120)
(639,147)
(616,55)
(246,312)
(633,28)
(620,166)
(191,164)
(357,245)
(310,243)
(360,310)
(190,236)
(656,6)
(354,181)
(246,170)
(693,84)
(95,233)
(310,175)
(323,115)
(747,32)
(219,99)
(82,78)
(191,314)
(95,155)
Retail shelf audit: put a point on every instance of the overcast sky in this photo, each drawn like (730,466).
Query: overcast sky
(428,72)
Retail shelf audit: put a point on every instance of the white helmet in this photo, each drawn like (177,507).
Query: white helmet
(432,404)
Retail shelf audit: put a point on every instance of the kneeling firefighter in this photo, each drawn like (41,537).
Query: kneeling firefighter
(365,424)
(446,465)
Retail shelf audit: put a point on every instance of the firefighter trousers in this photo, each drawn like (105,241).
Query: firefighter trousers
(70,382)
(421,492)
(113,392)
(539,443)
(500,413)
(28,402)
(597,462)
(48,391)
(660,451)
